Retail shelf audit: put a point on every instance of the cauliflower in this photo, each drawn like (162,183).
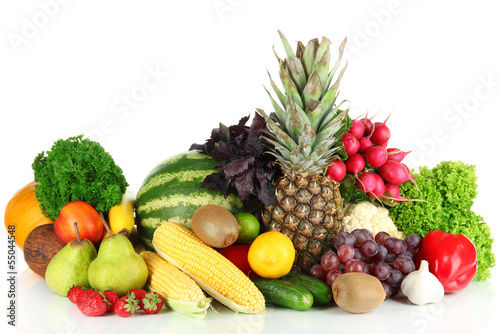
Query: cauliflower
(368,216)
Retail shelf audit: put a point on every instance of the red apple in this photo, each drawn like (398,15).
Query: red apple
(238,255)
(88,219)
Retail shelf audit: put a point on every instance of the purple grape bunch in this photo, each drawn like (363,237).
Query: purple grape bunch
(387,258)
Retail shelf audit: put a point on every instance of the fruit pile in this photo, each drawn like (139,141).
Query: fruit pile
(387,258)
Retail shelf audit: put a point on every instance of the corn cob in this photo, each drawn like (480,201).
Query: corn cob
(212,271)
(179,291)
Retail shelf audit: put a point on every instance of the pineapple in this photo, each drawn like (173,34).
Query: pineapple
(304,133)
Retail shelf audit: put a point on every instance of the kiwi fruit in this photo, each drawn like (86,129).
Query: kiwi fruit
(358,292)
(215,226)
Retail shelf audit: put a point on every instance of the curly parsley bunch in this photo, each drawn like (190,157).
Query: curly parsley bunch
(77,169)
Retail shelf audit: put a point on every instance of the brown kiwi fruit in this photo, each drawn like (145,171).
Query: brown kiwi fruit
(215,226)
(358,292)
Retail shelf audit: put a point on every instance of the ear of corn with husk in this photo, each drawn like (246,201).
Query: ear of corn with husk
(214,273)
(179,291)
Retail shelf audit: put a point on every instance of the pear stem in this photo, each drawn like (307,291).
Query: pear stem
(106,226)
(77,232)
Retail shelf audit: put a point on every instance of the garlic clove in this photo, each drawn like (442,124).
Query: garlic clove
(422,287)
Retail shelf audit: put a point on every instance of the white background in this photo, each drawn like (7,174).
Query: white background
(70,67)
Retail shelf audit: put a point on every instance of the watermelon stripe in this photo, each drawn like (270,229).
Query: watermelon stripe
(176,200)
(174,179)
(191,160)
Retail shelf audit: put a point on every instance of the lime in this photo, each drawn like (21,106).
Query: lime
(249,227)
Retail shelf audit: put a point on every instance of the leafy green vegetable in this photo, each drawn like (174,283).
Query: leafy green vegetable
(77,169)
(449,190)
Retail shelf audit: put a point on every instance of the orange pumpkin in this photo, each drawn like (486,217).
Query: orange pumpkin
(24,213)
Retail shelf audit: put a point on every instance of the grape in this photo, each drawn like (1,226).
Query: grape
(362,234)
(409,254)
(330,261)
(381,254)
(388,290)
(354,265)
(395,245)
(390,258)
(381,237)
(380,270)
(358,255)
(317,271)
(395,278)
(404,264)
(332,275)
(343,238)
(345,253)
(413,241)
(369,248)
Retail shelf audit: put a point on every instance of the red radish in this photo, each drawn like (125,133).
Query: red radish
(336,171)
(395,172)
(367,124)
(376,156)
(381,132)
(395,194)
(351,144)
(393,190)
(364,144)
(357,129)
(366,182)
(396,154)
(355,163)
(379,189)
(384,144)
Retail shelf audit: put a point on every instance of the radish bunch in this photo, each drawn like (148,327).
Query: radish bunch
(378,170)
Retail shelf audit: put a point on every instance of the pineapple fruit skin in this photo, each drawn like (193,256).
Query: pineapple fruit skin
(308,210)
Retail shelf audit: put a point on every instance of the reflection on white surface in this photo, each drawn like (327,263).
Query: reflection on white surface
(469,311)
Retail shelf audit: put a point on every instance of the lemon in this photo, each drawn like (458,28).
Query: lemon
(271,255)
(249,228)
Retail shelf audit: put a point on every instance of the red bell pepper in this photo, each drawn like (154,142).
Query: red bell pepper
(452,259)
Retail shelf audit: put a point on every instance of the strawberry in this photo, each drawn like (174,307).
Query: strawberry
(112,297)
(126,306)
(94,305)
(138,294)
(83,295)
(152,302)
(73,293)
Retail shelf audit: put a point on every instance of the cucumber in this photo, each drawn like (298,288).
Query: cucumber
(285,294)
(321,291)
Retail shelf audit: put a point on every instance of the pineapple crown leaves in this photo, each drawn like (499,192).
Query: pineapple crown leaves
(306,126)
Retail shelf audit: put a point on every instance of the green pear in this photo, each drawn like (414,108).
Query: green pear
(117,267)
(69,266)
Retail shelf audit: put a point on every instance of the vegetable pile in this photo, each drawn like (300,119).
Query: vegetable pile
(77,169)
(449,190)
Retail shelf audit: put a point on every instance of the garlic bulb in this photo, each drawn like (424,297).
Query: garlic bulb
(422,287)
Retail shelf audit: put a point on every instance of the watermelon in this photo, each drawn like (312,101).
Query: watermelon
(171,192)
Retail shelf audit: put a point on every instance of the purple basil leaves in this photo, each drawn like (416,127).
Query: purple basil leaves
(241,165)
